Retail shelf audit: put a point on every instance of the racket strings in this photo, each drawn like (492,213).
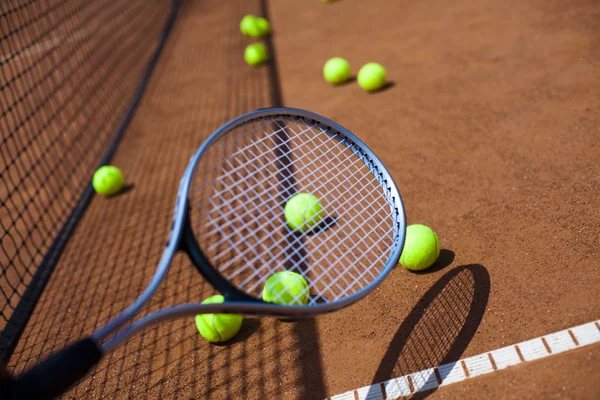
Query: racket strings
(257,197)
(249,175)
(246,259)
(239,191)
(298,238)
(294,245)
(295,242)
(253,171)
(249,213)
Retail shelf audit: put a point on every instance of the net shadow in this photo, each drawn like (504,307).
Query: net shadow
(305,330)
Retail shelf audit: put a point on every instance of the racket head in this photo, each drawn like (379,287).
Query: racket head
(230,212)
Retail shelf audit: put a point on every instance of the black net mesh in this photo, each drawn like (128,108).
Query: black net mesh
(69,71)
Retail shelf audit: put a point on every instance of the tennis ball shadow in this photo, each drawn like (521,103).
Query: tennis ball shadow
(444,259)
(347,82)
(249,326)
(261,64)
(385,87)
(326,224)
(436,332)
(126,188)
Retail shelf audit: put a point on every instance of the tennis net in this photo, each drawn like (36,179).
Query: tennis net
(71,72)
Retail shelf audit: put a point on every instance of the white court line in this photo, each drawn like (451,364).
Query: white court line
(481,364)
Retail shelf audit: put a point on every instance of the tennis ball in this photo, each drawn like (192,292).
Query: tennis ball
(108,180)
(218,327)
(336,70)
(303,211)
(248,24)
(421,248)
(286,288)
(371,77)
(254,26)
(256,54)
(264,28)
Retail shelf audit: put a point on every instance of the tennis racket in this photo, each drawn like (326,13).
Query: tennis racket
(229,219)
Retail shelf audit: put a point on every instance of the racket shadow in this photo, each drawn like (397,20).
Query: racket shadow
(437,331)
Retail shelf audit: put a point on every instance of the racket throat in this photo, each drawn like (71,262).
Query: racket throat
(189,245)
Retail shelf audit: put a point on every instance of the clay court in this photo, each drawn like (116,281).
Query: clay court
(490,128)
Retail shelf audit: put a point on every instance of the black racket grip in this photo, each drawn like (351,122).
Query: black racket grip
(54,375)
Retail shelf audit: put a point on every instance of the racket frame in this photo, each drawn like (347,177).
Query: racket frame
(181,239)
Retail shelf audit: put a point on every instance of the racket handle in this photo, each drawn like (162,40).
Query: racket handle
(54,375)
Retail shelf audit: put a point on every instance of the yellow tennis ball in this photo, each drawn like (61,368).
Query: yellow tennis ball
(108,180)
(248,24)
(303,212)
(256,54)
(264,28)
(336,70)
(253,26)
(218,327)
(421,248)
(371,77)
(286,288)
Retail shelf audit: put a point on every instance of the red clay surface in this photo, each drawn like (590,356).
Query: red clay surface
(490,130)
(572,375)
